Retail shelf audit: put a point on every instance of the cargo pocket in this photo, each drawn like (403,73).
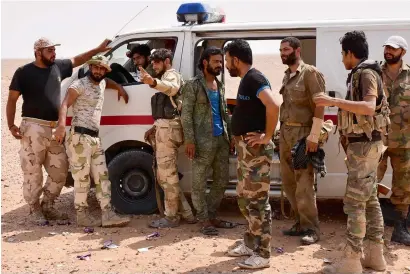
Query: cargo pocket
(176,136)
(360,189)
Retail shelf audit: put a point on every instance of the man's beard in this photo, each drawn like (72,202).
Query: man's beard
(233,71)
(97,78)
(290,59)
(213,71)
(393,60)
(47,62)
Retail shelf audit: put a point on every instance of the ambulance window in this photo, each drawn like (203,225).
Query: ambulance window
(119,55)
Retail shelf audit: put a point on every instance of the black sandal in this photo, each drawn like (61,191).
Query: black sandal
(209,230)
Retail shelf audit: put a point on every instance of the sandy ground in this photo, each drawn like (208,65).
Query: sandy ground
(32,249)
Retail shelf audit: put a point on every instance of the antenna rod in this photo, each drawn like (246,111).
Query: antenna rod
(130,21)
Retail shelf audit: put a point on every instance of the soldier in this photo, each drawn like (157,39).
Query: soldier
(363,115)
(396,79)
(207,140)
(84,148)
(139,56)
(253,123)
(40,84)
(299,118)
(168,136)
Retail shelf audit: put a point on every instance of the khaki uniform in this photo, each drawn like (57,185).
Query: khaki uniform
(296,117)
(39,149)
(398,96)
(85,152)
(364,216)
(168,138)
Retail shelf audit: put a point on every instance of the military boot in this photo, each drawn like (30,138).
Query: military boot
(36,214)
(47,206)
(349,263)
(373,256)
(112,219)
(85,219)
(400,233)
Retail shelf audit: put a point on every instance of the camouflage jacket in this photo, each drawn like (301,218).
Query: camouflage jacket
(197,112)
(398,96)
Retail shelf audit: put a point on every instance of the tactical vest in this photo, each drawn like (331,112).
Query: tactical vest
(349,122)
(164,106)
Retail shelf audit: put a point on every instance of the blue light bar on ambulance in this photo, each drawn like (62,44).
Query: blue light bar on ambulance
(199,13)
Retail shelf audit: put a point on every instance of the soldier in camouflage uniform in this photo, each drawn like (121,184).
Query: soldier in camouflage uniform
(363,116)
(168,137)
(396,79)
(300,118)
(39,83)
(205,123)
(253,123)
(84,148)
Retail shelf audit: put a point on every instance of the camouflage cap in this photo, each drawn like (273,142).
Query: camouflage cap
(44,43)
(100,60)
(396,42)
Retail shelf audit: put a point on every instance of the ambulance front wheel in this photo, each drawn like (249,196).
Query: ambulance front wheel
(132,183)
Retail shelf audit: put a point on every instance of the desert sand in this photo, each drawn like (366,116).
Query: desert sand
(27,248)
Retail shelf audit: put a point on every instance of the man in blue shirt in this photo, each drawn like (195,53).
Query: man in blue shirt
(207,138)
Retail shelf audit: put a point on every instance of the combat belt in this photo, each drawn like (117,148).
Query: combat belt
(349,122)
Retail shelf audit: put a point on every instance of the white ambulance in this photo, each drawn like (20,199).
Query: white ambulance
(129,157)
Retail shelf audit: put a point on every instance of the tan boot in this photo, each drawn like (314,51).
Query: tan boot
(47,206)
(85,219)
(36,215)
(373,256)
(112,219)
(348,264)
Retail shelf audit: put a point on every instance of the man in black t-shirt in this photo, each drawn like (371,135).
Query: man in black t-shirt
(253,123)
(39,83)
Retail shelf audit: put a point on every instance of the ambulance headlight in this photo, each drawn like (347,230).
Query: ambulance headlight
(199,13)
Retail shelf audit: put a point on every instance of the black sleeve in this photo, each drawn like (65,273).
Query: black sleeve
(66,68)
(15,82)
(259,83)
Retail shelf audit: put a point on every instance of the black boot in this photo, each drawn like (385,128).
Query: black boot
(400,233)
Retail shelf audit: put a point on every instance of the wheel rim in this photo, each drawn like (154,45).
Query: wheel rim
(135,184)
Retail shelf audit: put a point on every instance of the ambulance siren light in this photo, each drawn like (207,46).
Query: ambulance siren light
(199,13)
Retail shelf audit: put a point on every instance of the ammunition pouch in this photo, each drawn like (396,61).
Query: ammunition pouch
(163,106)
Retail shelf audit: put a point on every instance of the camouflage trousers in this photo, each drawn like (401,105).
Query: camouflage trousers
(167,141)
(87,158)
(361,204)
(216,156)
(39,149)
(253,194)
(400,162)
(298,185)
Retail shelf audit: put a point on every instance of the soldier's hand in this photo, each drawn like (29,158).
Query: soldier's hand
(122,93)
(104,46)
(311,146)
(255,138)
(148,133)
(190,151)
(59,134)
(15,131)
(145,77)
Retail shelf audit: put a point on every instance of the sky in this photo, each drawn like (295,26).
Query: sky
(82,25)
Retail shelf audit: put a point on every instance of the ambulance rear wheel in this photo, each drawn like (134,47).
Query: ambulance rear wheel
(132,183)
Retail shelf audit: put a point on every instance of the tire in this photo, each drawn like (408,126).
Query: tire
(132,183)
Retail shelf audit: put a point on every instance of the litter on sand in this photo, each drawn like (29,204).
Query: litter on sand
(144,249)
(153,235)
(279,250)
(84,257)
(65,233)
(327,261)
(109,245)
(88,230)
(52,233)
